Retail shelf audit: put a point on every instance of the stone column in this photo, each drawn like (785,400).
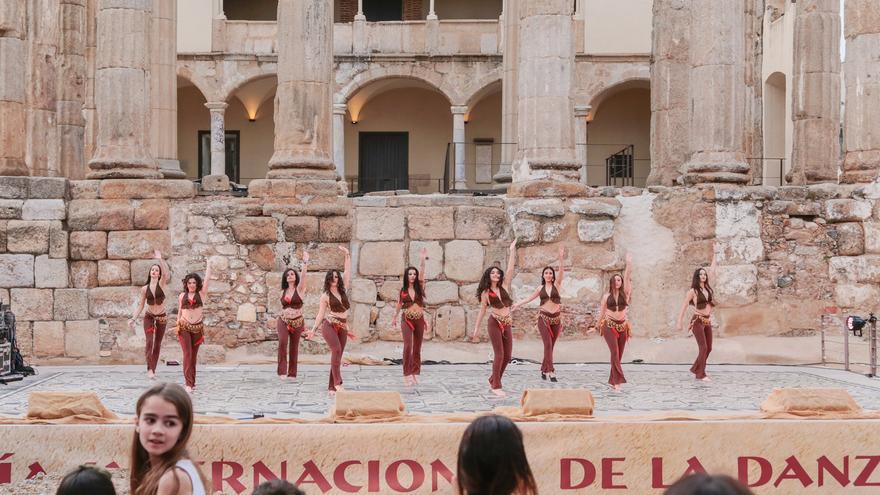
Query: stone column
(545,136)
(581,112)
(718,92)
(12,87)
(670,91)
(359,31)
(508,91)
(218,180)
(815,96)
(163,84)
(89,113)
(42,94)
(71,89)
(432,14)
(862,119)
(303,130)
(339,138)
(360,13)
(459,146)
(122,92)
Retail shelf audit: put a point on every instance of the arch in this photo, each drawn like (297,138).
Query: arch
(485,88)
(611,90)
(373,75)
(241,79)
(203,85)
(777,125)
(254,93)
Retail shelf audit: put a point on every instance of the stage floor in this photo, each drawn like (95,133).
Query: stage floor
(243,390)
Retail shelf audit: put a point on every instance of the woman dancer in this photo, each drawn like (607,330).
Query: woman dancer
(613,324)
(701,296)
(332,317)
(493,290)
(190,329)
(156,317)
(412,323)
(549,319)
(290,324)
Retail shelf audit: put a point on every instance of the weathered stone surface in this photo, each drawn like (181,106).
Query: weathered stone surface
(32,304)
(441,291)
(463,260)
(856,296)
(434,262)
(360,320)
(467,294)
(547,188)
(847,210)
(384,326)
(849,237)
(146,189)
(137,244)
(736,285)
(88,245)
(98,214)
(151,214)
(140,272)
(595,207)
(430,223)
(860,269)
(48,187)
(380,224)
(381,258)
(389,290)
(58,244)
(255,230)
(247,312)
(85,189)
(476,222)
(549,208)
(113,302)
(114,272)
(48,339)
(449,323)
(553,231)
(527,230)
(16,270)
(263,256)
(84,274)
(43,209)
(872,237)
(11,208)
(740,250)
(50,272)
(300,229)
(24,236)
(737,219)
(363,291)
(71,304)
(81,339)
(325,256)
(14,187)
(336,229)
(595,230)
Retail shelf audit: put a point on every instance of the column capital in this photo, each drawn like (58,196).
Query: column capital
(340,108)
(216,106)
(582,111)
(459,109)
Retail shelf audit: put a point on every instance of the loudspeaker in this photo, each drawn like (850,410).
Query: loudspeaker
(351,404)
(810,402)
(572,402)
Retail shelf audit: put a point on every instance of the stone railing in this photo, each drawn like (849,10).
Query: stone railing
(251,37)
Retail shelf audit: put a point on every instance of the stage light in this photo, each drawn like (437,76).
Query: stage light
(855,324)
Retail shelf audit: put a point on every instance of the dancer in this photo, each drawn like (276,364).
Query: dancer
(156,317)
(190,329)
(549,319)
(290,324)
(332,317)
(613,324)
(412,324)
(159,461)
(493,290)
(701,296)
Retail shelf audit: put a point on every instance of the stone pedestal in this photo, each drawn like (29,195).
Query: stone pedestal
(670,91)
(122,92)
(862,121)
(717,118)
(12,87)
(303,129)
(163,85)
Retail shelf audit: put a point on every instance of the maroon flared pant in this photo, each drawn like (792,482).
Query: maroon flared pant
(502,347)
(288,348)
(413,333)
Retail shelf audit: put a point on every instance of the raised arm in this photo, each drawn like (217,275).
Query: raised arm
(346,274)
(561,273)
(166,273)
(302,276)
(322,309)
(687,300)
(204,291)
(484,303)
(511,264)
(528,299)
(627,279)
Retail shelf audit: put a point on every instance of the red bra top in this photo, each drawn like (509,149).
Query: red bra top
(194,303)
(338,306)
(499,302)
(553,296)
(293,301)
(157,298)
(406,301)
(618,304)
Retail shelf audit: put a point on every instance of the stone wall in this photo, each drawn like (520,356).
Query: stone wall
(72,254)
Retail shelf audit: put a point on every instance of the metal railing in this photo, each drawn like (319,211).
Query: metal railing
(844,346)
(619,169)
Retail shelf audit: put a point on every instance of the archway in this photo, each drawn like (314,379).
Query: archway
(619,135)
(192,118)
(484,148)
(250,118)
(776,122)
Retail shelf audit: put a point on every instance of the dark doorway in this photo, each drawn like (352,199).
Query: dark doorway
(383,10)
(383,161)
(233,151)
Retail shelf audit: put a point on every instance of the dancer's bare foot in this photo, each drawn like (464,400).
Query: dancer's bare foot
(415,379)
(616,387)
(339,388)
(283,378)
(499,392)
(706,379)
(331,392)
(151,374)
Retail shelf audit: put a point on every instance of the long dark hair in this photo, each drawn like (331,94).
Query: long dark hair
(417,287)
(492,460)
(284,284)
(340,285)
(704,484)
(198,279)
(695,282)
(544,270)
(621,292)
(144,478)
(160,294)
(86,480)
(486,280)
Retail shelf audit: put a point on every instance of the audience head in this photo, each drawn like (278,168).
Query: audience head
(278,487)
(704,484)
(86,480)
(492,459)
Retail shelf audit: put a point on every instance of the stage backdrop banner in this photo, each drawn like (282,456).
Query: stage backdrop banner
(773,457)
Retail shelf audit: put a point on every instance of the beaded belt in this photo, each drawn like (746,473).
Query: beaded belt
(550,318)
(504,322)
(157,320)
(618,326)
(705,320)
(413,314)
(338,323)
(293,323)
(197,329)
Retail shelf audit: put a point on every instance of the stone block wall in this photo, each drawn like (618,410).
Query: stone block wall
(72,254)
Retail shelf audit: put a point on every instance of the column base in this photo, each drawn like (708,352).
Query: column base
(13,167)
(555,169)
(215,183)
(133,166)
(171,169)
(861,166)
(503,176)
(716,167)
(548,188)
